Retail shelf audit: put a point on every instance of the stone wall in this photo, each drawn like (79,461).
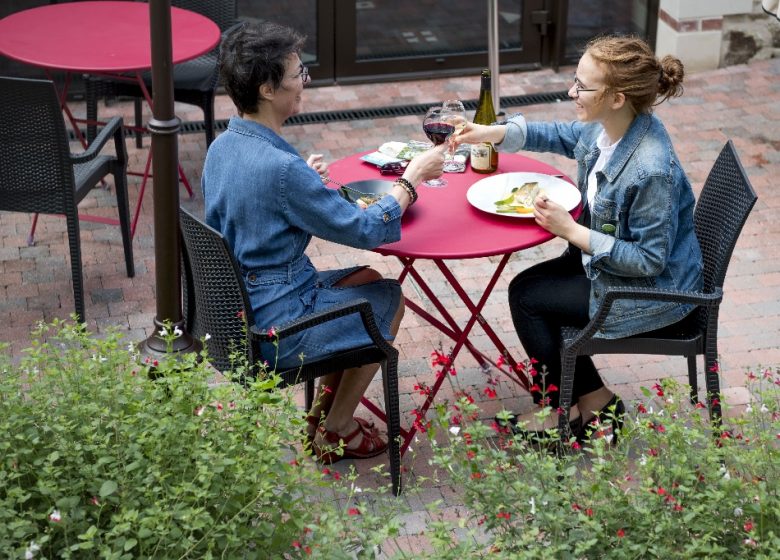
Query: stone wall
(746,37)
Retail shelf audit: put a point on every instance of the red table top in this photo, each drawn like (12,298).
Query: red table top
(99,36)
(443,225)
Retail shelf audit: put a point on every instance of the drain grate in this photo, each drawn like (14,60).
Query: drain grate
(321,117)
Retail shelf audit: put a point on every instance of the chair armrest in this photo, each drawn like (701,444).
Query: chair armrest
(653,294)
(111,128)
(359,305)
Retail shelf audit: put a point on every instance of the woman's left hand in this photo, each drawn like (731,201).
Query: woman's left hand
(316,162)
(554,218)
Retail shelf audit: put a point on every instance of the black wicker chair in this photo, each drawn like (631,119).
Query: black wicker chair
(216,303)
(38,173)
(194,81)
(722,209)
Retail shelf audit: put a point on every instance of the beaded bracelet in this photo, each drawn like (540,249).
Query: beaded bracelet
(409,188)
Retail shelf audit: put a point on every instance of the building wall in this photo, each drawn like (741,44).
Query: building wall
(708,34)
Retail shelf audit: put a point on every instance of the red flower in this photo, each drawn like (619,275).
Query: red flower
(500,361)
(576,507)
(699,405)
(641,408)
(552,388)
(240,314)
(621,533)
(661,491)
(576,445)
(678,507)
(589,512)
(353,511)
(658,390)
(504,515)
(476,475)
(296,544)
(490,392)
(327,389)
(748,526)
(326,471)
(653,452)
(471,454)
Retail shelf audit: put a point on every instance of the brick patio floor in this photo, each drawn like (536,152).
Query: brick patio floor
(739,102)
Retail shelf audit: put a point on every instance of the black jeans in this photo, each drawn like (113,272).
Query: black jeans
(542,299)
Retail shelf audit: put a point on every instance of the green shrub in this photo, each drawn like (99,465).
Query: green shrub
(97,461)
(669,489)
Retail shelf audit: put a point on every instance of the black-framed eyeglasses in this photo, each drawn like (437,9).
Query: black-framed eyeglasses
(579,88)
(303,74)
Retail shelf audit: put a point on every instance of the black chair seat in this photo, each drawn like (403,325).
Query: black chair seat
(216,303)
(38,174)
(721,211)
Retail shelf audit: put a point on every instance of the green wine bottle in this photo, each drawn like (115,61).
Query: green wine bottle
(484,157)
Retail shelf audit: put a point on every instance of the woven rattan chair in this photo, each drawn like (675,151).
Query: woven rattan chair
(216,303)
(722,209)
(38,174)
(194,81)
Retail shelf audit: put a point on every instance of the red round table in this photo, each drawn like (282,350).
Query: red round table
(442,226)
(103,38)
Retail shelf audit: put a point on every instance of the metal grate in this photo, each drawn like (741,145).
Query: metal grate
(321,117)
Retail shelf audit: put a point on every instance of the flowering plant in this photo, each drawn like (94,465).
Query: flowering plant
(99,460)
(672,486)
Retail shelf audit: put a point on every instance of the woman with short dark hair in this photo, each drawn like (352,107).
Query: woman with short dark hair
(268,202)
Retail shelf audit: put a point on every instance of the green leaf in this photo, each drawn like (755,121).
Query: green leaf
(130,543)
(108,488)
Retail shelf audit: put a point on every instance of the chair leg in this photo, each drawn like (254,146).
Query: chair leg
(693,379)
(568,361)
(92,103)
(120,185)
(390,382)
(309,394)
(139,123)
(74,241)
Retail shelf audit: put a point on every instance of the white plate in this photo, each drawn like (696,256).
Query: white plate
(484,193)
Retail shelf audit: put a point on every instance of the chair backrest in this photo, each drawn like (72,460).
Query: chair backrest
(216,302)
(36,174)
(722,209)
(222,12)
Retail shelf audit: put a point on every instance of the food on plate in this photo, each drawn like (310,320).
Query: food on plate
(520,199)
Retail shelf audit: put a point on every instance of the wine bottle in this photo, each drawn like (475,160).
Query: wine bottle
(484,157)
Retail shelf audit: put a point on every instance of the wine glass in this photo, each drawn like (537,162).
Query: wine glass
(454,113)
(437,129)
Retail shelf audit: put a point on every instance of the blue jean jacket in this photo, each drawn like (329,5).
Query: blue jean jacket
(641,230)
(260,194)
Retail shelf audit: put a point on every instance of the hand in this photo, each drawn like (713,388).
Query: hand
(474,133)
(427,165)
(315,162)
(554,218)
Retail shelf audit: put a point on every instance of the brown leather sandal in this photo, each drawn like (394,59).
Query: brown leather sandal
(315,421)
(371,444)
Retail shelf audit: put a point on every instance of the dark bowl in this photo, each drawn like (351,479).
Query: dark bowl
(370,187)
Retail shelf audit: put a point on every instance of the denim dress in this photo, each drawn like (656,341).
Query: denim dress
(267,203)
(641,229)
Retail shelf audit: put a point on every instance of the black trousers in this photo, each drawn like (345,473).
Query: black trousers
(542,299)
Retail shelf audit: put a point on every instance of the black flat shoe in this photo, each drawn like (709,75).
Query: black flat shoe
(607,422)
(575,427)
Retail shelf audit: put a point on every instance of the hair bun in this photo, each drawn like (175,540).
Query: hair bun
(670,77)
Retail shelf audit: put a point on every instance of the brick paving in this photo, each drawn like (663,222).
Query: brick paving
(738,102)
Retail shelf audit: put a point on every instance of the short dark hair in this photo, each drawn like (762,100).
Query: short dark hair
(253,54)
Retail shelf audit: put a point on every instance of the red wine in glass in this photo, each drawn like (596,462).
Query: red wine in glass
(437,130)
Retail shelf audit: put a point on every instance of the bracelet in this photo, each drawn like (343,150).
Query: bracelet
(409,188)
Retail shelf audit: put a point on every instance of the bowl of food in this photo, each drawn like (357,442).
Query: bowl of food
(365,192)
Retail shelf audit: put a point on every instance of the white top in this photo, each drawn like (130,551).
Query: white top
(606,152)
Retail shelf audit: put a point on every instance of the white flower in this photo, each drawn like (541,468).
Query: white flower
(177,332)
(749,408)
(643,460)
(207,337)
(763,408)
(163,332)
(55,516)
(532,501)
(29,554)
(455,430)
(738,512)
(356,489)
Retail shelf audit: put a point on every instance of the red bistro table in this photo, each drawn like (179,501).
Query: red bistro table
(109,38)
(443,226)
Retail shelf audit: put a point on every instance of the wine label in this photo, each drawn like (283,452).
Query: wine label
(480,156)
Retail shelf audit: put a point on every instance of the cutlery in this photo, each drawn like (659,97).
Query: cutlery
(356,192)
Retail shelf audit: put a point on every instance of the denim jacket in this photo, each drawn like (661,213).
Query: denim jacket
(641,230)
(267,203)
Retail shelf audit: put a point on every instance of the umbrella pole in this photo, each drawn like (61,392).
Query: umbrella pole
(492,26)
(164,127)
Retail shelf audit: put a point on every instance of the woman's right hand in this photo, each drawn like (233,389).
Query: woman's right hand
(473,133)
(427,165)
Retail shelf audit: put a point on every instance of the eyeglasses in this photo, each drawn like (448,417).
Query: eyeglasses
(579,88)
(303,74)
